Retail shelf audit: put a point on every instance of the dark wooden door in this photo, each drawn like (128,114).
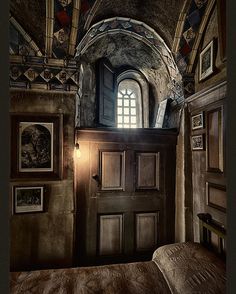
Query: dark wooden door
(125,194)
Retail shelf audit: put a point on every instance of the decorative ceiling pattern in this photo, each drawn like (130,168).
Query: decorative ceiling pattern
(62,25)
(191,26)
(53,28)
(135,29)
(42,73)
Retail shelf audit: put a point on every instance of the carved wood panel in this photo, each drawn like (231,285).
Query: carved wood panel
(110,234)
(147,171)
(215,140)
(146,231)
(112,170)
(216,196)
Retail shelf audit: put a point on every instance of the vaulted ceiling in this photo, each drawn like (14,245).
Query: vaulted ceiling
(61,30)
(33,16)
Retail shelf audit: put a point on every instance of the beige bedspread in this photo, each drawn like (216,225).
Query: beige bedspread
(141,277)
(182,268)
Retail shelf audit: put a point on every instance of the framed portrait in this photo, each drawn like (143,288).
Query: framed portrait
(36,146)
(28,199)
(206,61)
(198,142)
(197,121)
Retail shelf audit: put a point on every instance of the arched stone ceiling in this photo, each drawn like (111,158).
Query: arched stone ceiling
(31,15)
(160,15)
(124,50)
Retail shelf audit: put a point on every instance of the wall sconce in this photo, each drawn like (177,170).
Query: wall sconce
(77,151)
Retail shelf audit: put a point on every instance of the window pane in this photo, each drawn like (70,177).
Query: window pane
(132,95)
(126,102)
(126,119)
(133,103)
(126,110)
(133,119)
(120,118)
(133,111)
(127,114)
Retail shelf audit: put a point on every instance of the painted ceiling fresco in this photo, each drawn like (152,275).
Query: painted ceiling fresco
(31,35)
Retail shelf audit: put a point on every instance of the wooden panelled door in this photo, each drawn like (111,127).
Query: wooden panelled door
(125,194)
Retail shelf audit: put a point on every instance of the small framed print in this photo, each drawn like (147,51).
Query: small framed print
(198,121)
(28,199)
(198,142)
(206,61)
(36,146)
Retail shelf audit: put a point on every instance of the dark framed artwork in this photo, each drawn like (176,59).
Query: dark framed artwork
(36,146)
(206,66)
(216,196)
(28,199)
(198,142)
(197,121)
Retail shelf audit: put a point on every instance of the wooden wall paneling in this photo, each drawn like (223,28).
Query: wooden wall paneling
(215,140)
(148,170)
(110,234)
(216,196)
(112,170)
(146,231)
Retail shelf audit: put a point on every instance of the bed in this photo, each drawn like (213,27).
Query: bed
(175,268)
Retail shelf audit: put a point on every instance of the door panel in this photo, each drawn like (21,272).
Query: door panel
(112,170)
(110,234)
(125,196)
(147,171)
(146,231)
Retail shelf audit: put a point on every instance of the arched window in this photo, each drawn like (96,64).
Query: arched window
(129,104)
(123,100)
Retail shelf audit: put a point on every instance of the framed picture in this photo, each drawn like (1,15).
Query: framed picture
(28,199)
(206,61)
(198,142)
(36,146)
(197,121)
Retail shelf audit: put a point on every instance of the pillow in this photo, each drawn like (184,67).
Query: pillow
(191,268)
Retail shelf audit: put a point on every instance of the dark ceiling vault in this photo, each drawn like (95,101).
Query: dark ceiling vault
(54,28)
(162,16)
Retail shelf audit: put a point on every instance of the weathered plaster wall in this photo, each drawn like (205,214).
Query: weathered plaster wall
(44,240)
